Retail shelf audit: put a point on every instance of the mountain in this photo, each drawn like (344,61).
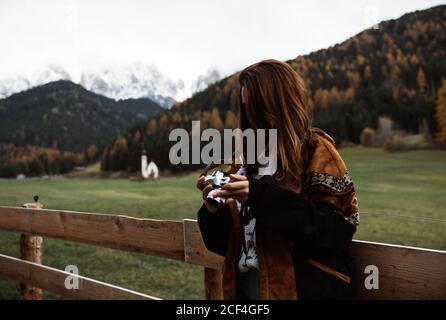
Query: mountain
(204,81)
(142,107)
(66,116)
(18,83)
(393,70)
(137,80)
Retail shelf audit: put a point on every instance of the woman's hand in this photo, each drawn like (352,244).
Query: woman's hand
(238,188)
(205,190)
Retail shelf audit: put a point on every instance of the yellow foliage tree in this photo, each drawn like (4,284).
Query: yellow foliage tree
(414,61)
(164,122)
(176,117)
(231,120)
(205,119)
(349,95)
(334,96)
(440,114)
(321,98)
(120,146)
(367,137)
(421,79)
(91,152)
(368,72)
(354,79)
(216,121)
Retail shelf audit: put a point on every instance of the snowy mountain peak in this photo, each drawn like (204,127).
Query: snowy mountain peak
(205,80)
(124,82)
(137,80)
(134,81)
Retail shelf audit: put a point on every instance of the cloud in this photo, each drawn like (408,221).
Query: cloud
(183,38)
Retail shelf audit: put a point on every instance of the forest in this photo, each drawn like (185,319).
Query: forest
(393,71)
(51,129)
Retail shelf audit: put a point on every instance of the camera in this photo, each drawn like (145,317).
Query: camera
(217,179)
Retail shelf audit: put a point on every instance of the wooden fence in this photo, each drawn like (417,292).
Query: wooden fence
(404,272)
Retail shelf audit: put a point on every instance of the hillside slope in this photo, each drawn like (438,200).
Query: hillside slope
(66,116)
(394,70)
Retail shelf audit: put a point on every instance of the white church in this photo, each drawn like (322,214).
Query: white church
(148,171)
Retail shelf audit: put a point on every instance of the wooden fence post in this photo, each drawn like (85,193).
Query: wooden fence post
(31,250)
(213,284)
(194,250)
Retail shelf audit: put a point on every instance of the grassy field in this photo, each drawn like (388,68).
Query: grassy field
(402,199)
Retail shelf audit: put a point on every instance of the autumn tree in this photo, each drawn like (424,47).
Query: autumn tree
(80,159)
(164,122)
(231,120)
(205,119)
(367,137)
(440,114)
(354,79)
(368,72)
(68,161)
(53,161)
(348,95)
(91,152)
(176,117)
(105,160)
(14,167)
(216,121)
(321,98)
(421,80)
(118,154)
(152,126)
(414,61)
(395,75)
(334,96)
(35,165)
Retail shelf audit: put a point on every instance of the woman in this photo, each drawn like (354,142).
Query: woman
(286,235)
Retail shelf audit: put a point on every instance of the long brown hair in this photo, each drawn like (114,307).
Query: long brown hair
(277,99)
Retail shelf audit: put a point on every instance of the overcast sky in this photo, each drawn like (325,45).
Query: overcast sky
(183,38)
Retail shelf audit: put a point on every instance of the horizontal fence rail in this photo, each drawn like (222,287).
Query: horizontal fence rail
(404,272)
(53,280)
(160,238)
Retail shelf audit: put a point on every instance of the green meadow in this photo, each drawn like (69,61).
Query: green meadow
(402,199)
